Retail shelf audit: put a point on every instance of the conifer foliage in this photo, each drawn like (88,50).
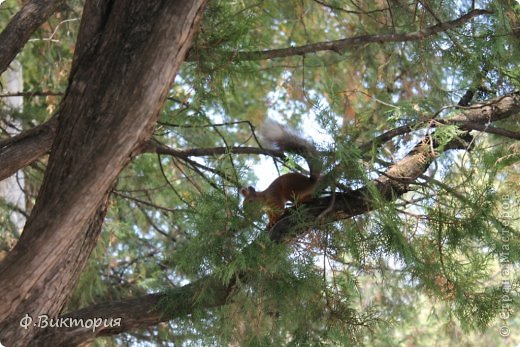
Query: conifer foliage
(138,130)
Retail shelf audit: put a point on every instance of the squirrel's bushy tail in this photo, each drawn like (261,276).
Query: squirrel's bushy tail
(278,137)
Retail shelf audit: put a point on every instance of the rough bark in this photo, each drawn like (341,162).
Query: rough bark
(128,54)
(136,313)
(23,149)
(22,26)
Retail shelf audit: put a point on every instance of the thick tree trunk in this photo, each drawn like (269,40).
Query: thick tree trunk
(127,55)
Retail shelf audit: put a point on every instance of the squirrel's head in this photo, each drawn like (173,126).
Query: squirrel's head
(248,192)
(252,205)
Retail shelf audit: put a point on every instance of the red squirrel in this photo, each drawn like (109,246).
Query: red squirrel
(294,187)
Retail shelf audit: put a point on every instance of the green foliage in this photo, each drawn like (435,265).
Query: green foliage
(211,244)
(427,268)
(443,135)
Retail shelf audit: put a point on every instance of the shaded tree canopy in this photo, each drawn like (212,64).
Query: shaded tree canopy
(138,129)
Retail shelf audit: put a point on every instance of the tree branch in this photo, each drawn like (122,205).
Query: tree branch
(31,94)
(474,117)
(340,9)
(22,26)
(154,147)
(491,130)
(340,46)
(396,180)
(21,150)
(140,312)
(18,151)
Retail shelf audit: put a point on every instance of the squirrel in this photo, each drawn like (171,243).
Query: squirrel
(294,187)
